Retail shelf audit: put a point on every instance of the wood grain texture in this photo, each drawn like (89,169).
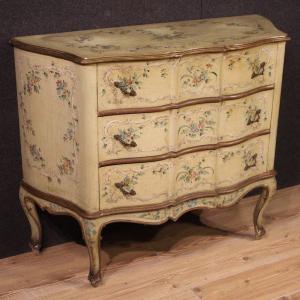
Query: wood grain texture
(181,260)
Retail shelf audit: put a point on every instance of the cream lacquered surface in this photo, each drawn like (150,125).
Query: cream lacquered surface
(144,141)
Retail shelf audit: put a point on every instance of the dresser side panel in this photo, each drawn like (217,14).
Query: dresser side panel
(88,136)
(276,104)
(58,127)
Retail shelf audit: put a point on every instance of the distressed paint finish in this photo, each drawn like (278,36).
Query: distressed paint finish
(203,110)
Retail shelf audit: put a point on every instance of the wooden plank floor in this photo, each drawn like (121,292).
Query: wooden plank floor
(183,260)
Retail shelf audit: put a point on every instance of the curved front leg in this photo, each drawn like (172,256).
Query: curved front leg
(29,208)
(265,197)
(92,236)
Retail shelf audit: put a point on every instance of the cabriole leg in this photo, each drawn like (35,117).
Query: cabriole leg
(29,208)
(92,236)
(260,207)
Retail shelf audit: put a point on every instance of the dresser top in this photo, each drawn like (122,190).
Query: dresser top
(154,41)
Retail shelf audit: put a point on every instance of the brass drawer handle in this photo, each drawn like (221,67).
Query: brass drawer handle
(257,68)
(125,189)
(125,88)
(253,116)
(250,161)
(119,138)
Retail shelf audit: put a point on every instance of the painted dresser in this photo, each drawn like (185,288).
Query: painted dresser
(144,123)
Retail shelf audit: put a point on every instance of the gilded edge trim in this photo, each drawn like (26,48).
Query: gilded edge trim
(173,154)
(189,102)
(85,61)
(138,208)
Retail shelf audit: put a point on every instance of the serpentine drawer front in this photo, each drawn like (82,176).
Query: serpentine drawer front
(177,130)
(144,123)
(175,178)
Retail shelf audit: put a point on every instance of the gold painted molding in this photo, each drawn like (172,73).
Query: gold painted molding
(155,41)
(176,54)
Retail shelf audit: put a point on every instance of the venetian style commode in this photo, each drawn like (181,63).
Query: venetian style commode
(144,123)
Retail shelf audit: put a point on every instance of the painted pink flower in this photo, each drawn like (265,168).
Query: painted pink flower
(200,125)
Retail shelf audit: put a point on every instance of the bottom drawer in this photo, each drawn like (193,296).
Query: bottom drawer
(139,184)
(240,162)
(134,184)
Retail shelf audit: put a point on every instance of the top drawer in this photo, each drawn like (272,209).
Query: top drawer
(248,69)
(135,84)
(141,85)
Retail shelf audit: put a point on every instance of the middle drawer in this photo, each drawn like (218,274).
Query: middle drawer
(151,134)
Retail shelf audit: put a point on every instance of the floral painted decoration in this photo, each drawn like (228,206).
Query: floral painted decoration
(193,173)
(151,215)
(194,128)
(162,123)
(33,85)
(256,65)
(127,133)
(62,89)
(232,62)
(37,155)
(90,229)
(161,170)
(227,156)
(66,166)
(195,76)
(130,83)
(34,77)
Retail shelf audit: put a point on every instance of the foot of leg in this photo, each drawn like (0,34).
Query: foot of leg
(95,279)
(35,246)
(29,208)
(262,203)
(92,236)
